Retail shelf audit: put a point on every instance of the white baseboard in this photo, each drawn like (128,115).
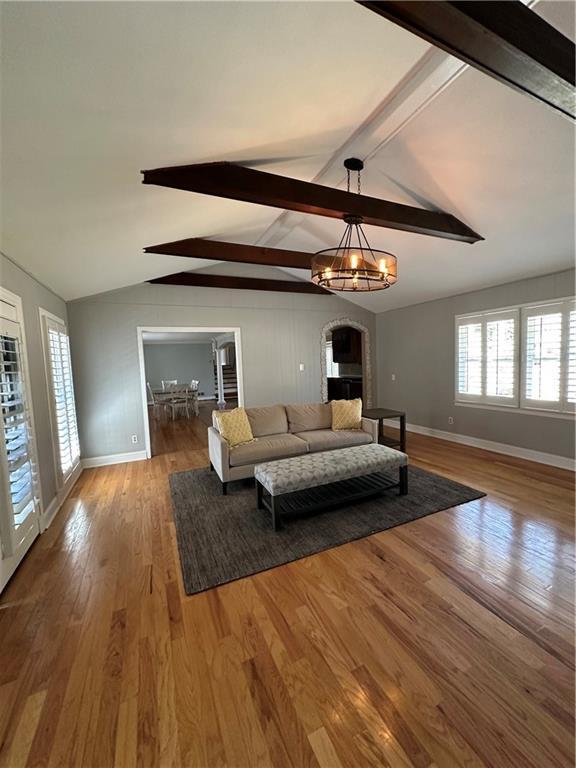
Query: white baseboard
(113,458)
(50,512)
(553,460)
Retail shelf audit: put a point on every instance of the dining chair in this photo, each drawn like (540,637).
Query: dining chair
(153,399)
(176,399)
(193,392)
(169,383)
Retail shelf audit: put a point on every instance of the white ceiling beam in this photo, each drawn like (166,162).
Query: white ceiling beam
(428,79)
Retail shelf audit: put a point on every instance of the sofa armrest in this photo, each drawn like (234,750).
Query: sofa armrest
(219,452)
(370,426)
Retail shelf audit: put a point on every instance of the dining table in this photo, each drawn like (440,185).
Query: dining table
(177,392)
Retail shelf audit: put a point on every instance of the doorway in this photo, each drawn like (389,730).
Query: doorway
(186,374)
(345,361)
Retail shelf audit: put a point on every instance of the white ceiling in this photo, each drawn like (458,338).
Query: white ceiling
(95,92)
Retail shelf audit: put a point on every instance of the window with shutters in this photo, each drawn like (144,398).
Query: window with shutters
(470,352)
(548,357)
(331,366)
(486,358)
(16,427)
(20,505)
(61,388)
(521,357)
(571,360)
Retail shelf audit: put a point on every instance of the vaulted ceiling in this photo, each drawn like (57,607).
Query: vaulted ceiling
(95,92)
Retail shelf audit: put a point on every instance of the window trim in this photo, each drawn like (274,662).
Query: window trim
(519,410)
(61,477)
(518,404)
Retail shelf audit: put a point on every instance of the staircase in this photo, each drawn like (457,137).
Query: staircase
(229,378)
(230,382)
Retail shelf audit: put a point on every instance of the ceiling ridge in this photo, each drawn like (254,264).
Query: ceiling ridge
(427,79)
(433,72)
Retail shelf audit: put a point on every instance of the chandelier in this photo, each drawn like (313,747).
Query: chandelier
(354,265)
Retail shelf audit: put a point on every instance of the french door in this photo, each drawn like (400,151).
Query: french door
(19,505)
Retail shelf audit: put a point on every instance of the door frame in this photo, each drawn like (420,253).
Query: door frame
(140,330)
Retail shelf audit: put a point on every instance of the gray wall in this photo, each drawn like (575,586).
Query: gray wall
(182,362)
(278,331)
(35,295)
(417,344)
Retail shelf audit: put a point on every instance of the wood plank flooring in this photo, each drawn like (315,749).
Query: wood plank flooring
(445,642)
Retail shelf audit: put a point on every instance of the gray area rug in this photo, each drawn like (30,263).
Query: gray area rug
(223,538)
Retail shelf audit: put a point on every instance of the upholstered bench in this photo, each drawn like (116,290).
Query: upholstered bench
(322,480)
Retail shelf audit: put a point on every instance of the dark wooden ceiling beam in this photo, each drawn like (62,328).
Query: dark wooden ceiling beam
(216,250)
(504,39)
(239,183)
(239,283)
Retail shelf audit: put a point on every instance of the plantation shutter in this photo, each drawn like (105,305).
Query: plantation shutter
(18,481)
(501,367)
(571,357)
(543,330)
(487,358)
(63,404)
(469,355)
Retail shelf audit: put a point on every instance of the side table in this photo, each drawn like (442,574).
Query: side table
(379,414)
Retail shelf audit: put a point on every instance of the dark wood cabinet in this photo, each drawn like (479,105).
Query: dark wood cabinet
(346,345)
(344,389)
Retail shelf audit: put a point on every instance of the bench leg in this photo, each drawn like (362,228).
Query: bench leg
(403,480)
(274,507)
(259,496)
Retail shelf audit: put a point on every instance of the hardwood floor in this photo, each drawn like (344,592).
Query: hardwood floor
(168,436)
(444,642)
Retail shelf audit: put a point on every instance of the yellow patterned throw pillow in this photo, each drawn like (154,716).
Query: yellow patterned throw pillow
(234,426)
(347,414)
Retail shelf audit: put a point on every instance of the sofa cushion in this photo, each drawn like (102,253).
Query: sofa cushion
(346,414)
(266,449)
(268,420)
(234,426)
(308,416)
(327,439)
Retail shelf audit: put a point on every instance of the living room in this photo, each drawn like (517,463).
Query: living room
(349,540)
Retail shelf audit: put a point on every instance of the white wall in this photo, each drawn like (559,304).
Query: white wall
(34,295)
(278,331)
(182,362)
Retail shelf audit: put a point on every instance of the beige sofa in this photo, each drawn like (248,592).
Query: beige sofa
(281,431)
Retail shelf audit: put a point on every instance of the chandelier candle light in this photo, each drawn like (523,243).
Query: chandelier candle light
(354,265)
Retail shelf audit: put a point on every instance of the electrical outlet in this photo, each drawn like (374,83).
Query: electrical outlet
(393,377)
(134,438)
(450,419)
